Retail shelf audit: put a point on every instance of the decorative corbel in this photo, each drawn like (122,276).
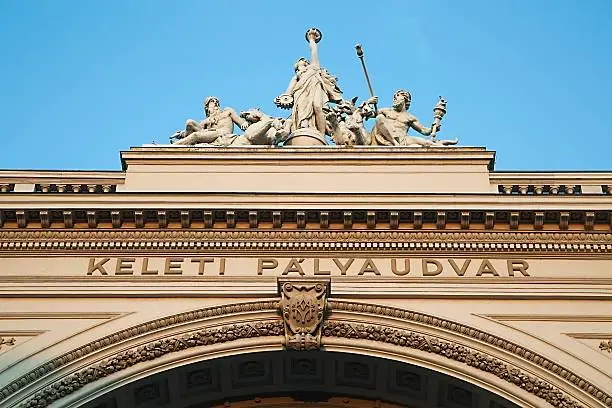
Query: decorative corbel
(44,219)
(348,219)
(538,222)
(394,219)
(441,220)
(489,220)
(139,218)
(208,219)
(371,219)
(68,219)
(116,219)
(185,219)
(300,218)
(589,220)
(277,219)
(253,220)
(302,306)
(418,219)
(230,219)
(92,219)
(465,220)
(22,220)
(514,220)
(324,219)
(162,219)
(564,218)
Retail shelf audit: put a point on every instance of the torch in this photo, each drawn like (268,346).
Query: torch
(439,112)
(365,71)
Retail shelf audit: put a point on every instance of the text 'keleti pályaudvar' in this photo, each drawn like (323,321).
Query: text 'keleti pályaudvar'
(224,266)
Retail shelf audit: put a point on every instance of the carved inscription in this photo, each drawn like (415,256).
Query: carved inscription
(296,267)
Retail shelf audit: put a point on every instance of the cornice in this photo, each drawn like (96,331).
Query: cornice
(358,155)
(515,220)
(302,201)
(551,176)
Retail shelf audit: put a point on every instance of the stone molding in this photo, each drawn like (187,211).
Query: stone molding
(540,243)
(453,351)
(151,351)
(165,322)
(461,329)
(334,327)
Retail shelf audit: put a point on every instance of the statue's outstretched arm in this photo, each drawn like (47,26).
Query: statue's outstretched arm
(292,83)
(416,125)
(237,119)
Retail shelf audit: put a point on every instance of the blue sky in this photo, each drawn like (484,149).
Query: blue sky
(82,80)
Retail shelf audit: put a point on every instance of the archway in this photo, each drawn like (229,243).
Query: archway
(293,379)
(479,362)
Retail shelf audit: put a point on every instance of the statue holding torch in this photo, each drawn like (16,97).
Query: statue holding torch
(439,112)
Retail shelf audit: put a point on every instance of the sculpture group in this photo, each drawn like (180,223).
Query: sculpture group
(318,109)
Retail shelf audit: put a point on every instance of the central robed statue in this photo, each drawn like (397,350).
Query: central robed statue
(309,92)
(319,115)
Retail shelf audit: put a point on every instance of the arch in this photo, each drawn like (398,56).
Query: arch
(490,362)
(322,378)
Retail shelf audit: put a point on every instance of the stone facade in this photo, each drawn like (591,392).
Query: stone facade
(496,283)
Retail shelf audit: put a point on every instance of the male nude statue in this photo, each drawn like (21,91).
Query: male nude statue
(392,125)
(218,123)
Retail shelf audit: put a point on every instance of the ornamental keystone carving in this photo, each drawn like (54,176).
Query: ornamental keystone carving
(606,346)
(303,306)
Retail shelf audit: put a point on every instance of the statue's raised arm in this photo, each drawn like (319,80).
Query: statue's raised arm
(313,36)
(309,91)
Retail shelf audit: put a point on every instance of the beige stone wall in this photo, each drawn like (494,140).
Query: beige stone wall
(504,274)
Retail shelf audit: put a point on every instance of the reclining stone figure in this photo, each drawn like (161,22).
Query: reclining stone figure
(392,125)
(217,129)
(264,129)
